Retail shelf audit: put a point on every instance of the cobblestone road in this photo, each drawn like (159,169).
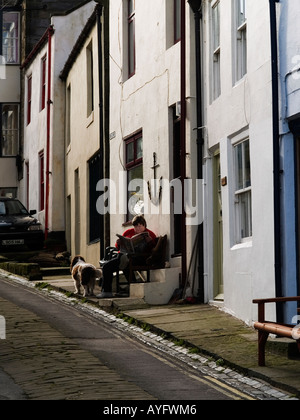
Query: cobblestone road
(47,365)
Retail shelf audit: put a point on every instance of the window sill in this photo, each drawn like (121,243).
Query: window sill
(243,245)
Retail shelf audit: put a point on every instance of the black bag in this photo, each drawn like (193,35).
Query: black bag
(111,253)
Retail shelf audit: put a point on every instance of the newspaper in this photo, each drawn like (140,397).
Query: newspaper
(137,244)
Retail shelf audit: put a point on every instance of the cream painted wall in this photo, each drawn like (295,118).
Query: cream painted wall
(84,144)
(8,173)
(10,85)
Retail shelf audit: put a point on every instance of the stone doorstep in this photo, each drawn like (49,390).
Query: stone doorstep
(160,289)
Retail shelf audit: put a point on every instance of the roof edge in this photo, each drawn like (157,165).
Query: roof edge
(80,42)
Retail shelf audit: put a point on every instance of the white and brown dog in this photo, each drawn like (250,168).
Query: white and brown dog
(85,275)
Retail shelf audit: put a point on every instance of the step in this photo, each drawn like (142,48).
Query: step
(55,271)
(160,289)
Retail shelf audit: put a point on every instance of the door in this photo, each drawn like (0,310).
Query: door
(77,213)
(218,229)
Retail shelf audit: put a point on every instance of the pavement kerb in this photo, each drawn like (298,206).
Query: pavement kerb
(112,308)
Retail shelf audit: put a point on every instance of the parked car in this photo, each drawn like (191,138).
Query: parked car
(18,227)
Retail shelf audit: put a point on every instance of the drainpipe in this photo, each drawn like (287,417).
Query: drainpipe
(183,142)
(99,11)
(49,103)
(276,157)
(196,6)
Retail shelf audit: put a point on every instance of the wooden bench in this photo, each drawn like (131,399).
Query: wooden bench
(155,260)
(266,327)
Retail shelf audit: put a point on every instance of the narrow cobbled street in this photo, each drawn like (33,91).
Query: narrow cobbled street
(56,352)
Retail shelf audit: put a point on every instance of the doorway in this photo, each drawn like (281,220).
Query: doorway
(77,212)
(218,229)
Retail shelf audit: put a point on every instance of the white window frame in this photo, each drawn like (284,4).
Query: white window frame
(242,192)
(12,43)
(240,39)
(10,130)
(216,49)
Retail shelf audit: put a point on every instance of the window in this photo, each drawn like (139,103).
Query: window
(243,200)
(241,39)
(43,82)
(8,192)
(131,38)
(173,22)
(177,20)
(10,37)
(134,167)
(90,79)
(9,140)
(216,50)
(29,98)
(42,180)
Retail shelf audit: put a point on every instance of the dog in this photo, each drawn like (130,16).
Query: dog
(84,275)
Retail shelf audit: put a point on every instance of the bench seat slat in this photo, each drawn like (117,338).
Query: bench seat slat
(278,329)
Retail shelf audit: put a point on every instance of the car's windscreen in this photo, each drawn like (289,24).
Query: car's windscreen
(12,208)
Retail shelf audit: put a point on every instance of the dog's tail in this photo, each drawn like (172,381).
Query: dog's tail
(89,272)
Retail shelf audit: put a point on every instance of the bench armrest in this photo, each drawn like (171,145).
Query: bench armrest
(276,300)
(261,304)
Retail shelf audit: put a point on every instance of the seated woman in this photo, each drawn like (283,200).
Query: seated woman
(139,226)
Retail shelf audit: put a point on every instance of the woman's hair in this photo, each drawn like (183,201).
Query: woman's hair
(139,220)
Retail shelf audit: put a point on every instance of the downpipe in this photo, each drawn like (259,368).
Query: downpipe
(49,103)
(276,158)
(196,6)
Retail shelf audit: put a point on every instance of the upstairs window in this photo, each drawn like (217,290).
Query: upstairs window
(216,50)
(43,81)
(131,37)
(177,20)
(90,79)
(10,37)
(173,22)
(29,98)
(241,39)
